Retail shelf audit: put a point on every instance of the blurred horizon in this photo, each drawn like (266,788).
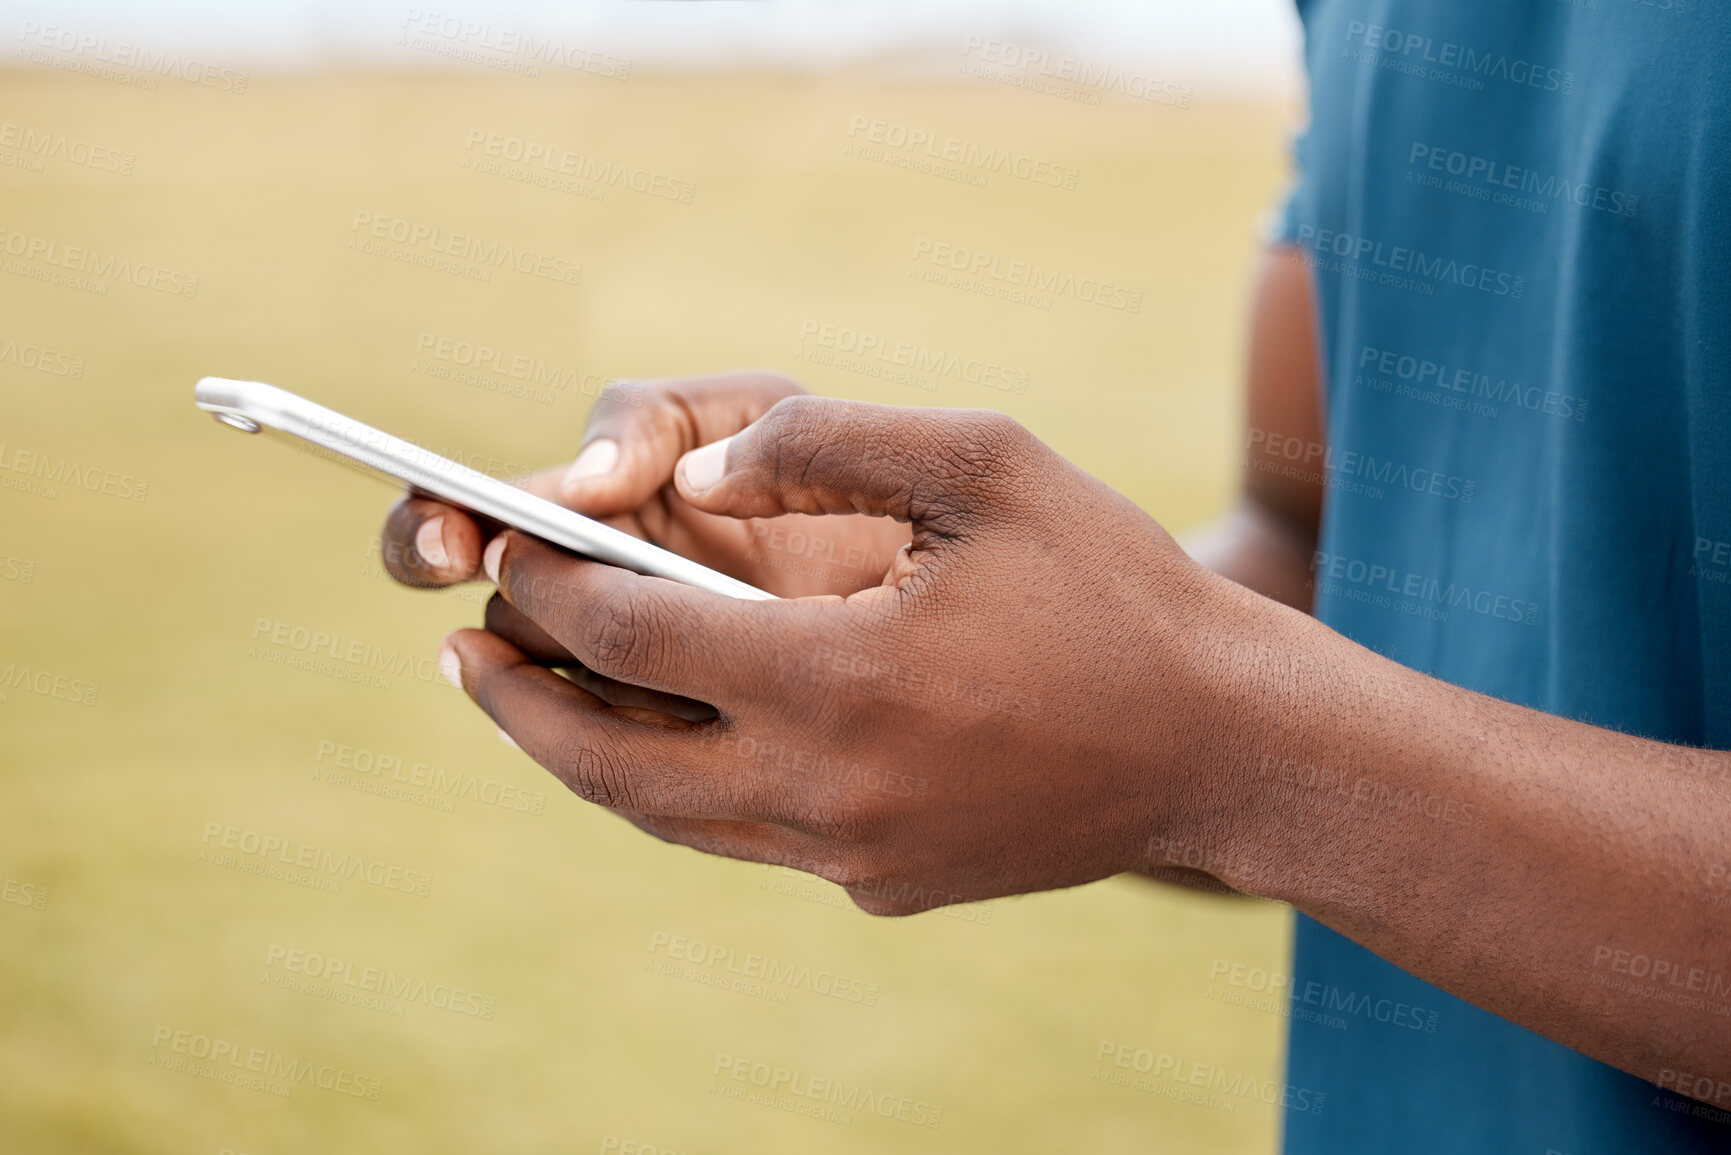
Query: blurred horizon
(1248,48)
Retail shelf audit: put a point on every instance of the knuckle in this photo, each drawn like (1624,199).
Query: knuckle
(789,417)
(982,461)
(594,776)
(839,819)
(798,439)
(621,636)
(985,445)
(844,813)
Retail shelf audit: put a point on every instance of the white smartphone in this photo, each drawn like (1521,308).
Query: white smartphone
(252,407)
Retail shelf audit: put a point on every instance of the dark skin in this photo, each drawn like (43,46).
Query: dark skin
(1077,689)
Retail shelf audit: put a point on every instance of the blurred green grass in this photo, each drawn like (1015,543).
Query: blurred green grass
(995,1014)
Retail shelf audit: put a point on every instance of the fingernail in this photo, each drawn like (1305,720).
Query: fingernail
(430,542)
(491,555)
(450,665)
(598,457)
(508,740)
(704,467)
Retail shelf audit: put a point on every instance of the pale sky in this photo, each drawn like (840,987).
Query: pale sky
(1235,44)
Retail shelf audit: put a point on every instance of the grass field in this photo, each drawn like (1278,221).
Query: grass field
(164,717)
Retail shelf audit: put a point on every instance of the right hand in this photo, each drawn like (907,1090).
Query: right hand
(623,475)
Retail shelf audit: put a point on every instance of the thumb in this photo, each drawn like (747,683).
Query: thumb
(638,430)
(941,468)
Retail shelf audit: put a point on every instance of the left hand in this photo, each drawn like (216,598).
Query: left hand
(1036,691)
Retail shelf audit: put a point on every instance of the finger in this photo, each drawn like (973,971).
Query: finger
(516,627)
(644,631)
(638,430)
(427,544)
(604,755)
(640,698)
(510,623)
(772,844)
(943,469)
(764,842)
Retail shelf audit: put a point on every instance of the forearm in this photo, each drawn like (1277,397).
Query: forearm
(1568,878)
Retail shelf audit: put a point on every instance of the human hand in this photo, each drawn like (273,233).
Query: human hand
(623,476)
(1035,692)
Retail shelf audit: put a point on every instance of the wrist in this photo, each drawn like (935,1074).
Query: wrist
(1272,686)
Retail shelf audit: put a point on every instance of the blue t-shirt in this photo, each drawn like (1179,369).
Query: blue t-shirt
(1517,215)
